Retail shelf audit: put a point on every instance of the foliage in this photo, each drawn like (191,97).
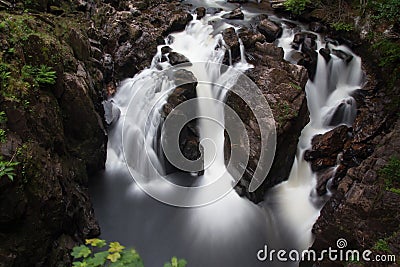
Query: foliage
(4,76)
(3,120)
(96,253)
(391,174)
(382,245)
(38,75)
(7,168)
(387,10)
(390,52)
(175,262)
(92,255)
(296,6)
(342,26)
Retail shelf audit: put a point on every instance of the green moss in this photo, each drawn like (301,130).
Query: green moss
(297,7)
(342,26)
(391,175)
(382,245)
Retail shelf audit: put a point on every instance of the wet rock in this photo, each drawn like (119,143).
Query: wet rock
(342,55)
(299,37)
(213,10)
(309,62)
(235,14)
(295,57)
(189,142)
(326,53)
(178,22)
(361,210)
(270,50)
(273,76)
(200,12)
(270,30)
(232,41)
(176,59)
(238,1)
(317,27)
(250,38)
(79,44)
(326,147)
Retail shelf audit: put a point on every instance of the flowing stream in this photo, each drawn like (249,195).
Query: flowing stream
(230,231)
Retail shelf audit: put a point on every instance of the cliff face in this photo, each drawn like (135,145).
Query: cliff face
(364,207)
(53,128)
(282,84)
(58,59)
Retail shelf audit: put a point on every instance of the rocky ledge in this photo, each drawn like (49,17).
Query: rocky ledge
(282,84)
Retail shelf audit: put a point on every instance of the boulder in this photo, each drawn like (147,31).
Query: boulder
(176,59)
(270,30)
(326,147)
(234,14)
(342,55)
(232,41)
(200,12)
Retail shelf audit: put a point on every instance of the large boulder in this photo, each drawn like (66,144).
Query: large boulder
(270,30)
(282,84)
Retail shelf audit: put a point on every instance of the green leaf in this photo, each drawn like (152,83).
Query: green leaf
(96,242)
(115,247)
(81,251)
(98,259)
(114,256)
(182,263)
(167,264)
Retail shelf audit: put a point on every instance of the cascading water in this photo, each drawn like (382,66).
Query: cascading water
(228,232)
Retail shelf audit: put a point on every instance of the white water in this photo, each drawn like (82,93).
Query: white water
(296,201)
(228,232)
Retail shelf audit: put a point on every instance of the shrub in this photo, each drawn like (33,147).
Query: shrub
(387,10)
(391,174)
(389,50)
(296,6)
(7,168)
(96,253)
(342,26)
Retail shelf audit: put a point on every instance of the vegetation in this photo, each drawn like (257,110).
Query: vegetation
(382,245)
(342,26)
(390,52)
(7,168)
(391,175)
(96,253)
(296,6)
(387,10)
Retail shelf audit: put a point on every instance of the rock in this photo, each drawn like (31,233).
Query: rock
(238,1)
(189,141)
(326,147)
(176,59)
(342,55)
(213,10)
(270,30)
(309,62)
(361,210)
(232,41)
(273,76)
(270,50)
(250,38)
(326,53)
(79,44)
(178,22)
(295,57)
(317,27)
(301,36)
(235,14)
(201,12)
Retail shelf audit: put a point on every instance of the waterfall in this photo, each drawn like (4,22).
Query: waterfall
(330,104)
(232,227)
